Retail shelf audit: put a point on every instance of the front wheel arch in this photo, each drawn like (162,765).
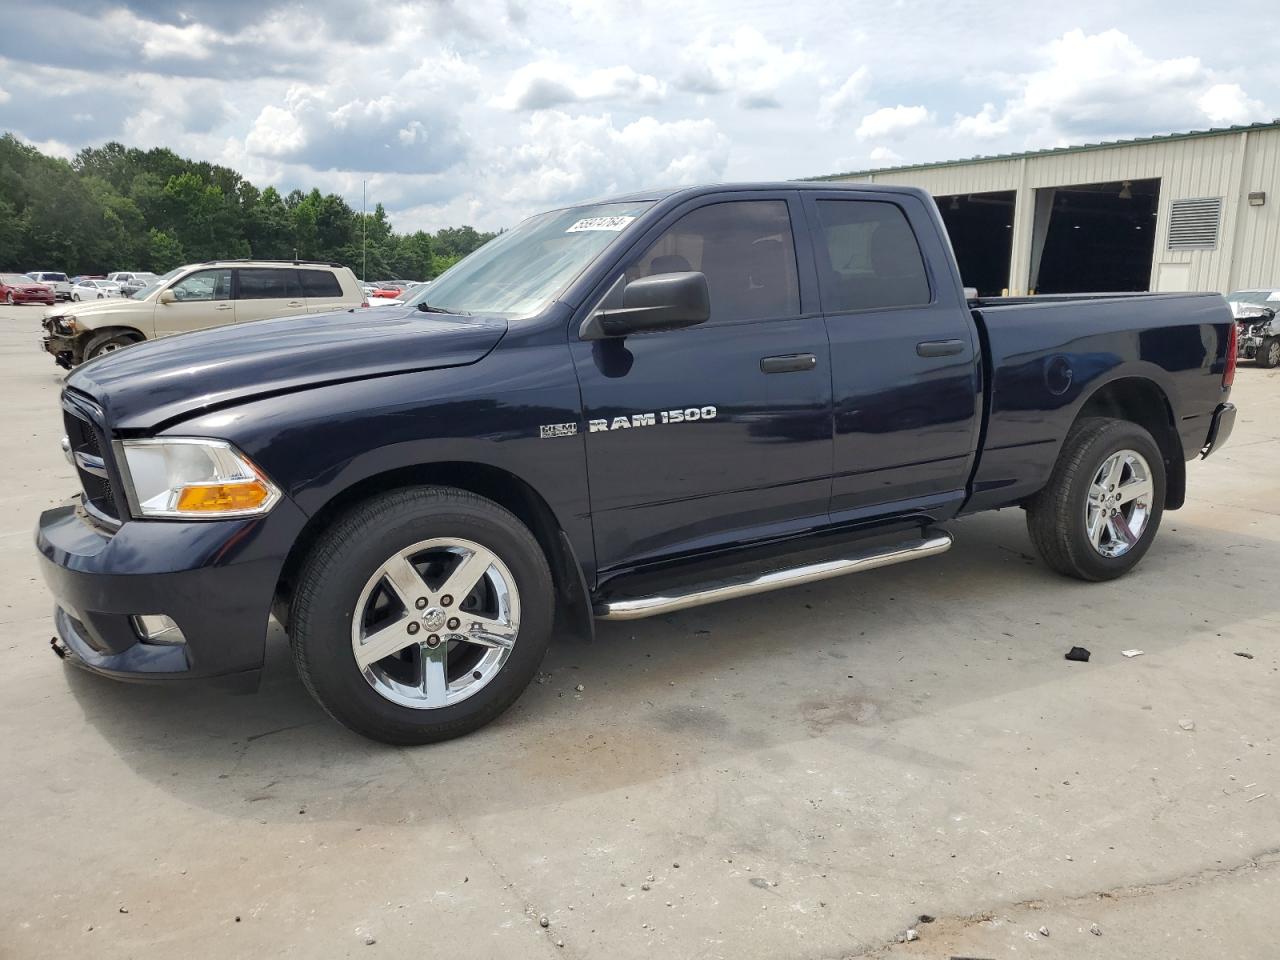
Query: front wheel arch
(503,488)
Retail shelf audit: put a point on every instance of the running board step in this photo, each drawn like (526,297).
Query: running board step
(930,543)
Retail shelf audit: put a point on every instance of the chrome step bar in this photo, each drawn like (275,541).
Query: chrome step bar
(930,543)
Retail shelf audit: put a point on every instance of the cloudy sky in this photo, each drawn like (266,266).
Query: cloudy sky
(481,111)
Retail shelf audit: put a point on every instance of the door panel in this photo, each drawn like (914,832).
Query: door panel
(202,299)
(690,442)
(904,353)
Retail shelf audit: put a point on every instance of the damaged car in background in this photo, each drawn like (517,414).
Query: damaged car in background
(1258,336)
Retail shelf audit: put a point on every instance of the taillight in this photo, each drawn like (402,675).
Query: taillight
(1229,372)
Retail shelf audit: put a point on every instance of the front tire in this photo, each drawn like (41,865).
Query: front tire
(1268,354)
(75,297)
(108,343)
(1099,513)
(421,615)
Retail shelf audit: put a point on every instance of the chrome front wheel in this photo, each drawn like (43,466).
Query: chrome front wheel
(1119,503)
(436,623)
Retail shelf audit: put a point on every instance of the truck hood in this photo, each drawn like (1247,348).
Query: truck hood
(152,383)
(95,308)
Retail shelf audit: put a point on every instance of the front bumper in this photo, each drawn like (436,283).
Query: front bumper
(46,299)
(215,579)
(61,347)
(1220,427)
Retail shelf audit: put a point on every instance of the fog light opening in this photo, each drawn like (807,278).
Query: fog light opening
(156,628)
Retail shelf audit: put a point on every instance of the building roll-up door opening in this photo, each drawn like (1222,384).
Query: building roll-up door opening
(980,226)
(1095,237)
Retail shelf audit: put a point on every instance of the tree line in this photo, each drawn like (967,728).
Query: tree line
(120,208)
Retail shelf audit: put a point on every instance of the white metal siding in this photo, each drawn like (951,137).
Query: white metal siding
(1229,165)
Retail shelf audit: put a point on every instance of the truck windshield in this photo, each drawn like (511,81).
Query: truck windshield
(519,272)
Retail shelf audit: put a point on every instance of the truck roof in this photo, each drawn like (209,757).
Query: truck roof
(664,193)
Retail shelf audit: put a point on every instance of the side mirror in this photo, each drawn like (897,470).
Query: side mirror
(665,301)
(166,296)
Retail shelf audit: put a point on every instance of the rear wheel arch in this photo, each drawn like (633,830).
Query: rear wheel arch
(1142,401)
(501,486)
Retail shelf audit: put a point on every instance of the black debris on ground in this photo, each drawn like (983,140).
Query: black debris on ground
(1079,654)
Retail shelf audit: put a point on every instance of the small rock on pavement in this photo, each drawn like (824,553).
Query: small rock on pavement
(1043,931)
(559,943)
(926,918)
(1241,653)
(544,922)
(579,688)
(644,886)
(370,940)
(1187,724)
(1095,929)
(912,935)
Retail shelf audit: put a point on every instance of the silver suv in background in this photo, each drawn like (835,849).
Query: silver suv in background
(199,295)
(52,278)
(131,283)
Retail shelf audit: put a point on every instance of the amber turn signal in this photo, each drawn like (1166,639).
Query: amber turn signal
(223,497)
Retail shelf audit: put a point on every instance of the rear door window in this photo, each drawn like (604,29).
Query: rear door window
(868,257)
(320,283)
(266,283)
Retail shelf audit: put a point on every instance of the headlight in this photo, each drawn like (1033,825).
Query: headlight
(188,477)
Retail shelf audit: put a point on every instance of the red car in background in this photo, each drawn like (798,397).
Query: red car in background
(15,288)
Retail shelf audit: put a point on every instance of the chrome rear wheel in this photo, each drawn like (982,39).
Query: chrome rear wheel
(1119,503)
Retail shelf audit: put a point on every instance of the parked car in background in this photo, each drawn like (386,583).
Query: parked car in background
(1257,334)
(19,288)
(131,283)
(196,296)
(619,410)
(58,281)
(95,290)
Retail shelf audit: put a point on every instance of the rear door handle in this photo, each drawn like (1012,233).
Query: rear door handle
(791,363)
(223,306)
(294,303)
(939,348)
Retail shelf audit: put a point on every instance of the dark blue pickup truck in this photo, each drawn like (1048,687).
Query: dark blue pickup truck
(612,411)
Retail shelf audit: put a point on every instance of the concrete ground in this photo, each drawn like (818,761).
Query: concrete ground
(800,775)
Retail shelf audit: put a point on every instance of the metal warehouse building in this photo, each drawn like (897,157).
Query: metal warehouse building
(1185,211)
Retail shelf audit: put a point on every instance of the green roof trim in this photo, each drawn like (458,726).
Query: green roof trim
(1056,151)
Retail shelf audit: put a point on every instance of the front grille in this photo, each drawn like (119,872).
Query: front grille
(83,435)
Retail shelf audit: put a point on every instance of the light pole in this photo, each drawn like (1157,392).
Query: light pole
(364,234)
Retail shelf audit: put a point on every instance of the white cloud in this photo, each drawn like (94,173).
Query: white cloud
(4,95)
(841,102)
(1227,103)
(747,64)
(565,157)
(1103,85)
(276,133)
(543,84)
(884,155)
(891,122)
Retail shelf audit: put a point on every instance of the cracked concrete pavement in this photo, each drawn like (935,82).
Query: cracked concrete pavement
(824,765)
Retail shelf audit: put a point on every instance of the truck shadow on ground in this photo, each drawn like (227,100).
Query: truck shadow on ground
(718,686)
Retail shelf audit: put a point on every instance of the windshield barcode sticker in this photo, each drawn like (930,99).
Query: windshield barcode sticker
(600,223)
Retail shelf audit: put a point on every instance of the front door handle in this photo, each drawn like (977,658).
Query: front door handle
(939,348)
(791,363)
(294,303)
(223,306)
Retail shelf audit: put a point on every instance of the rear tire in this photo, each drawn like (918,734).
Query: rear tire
(1268,354)
(108,342)
(334,613)
(1059,516)
(8,298)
